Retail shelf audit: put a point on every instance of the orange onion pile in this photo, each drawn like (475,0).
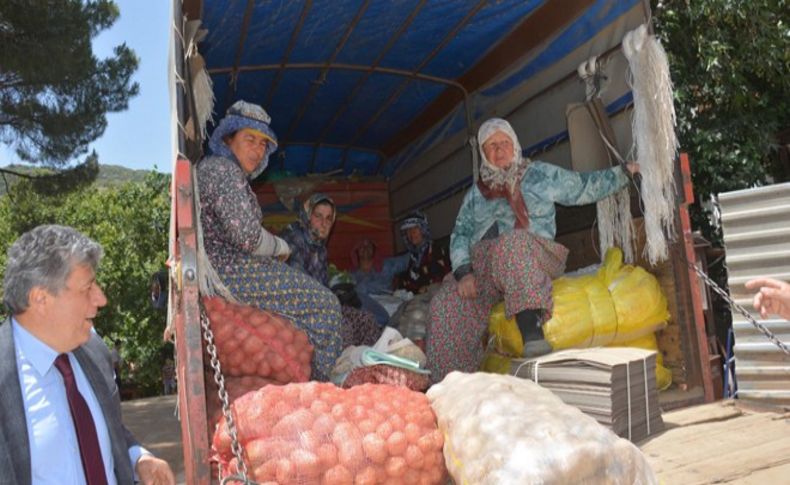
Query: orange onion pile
(305,433)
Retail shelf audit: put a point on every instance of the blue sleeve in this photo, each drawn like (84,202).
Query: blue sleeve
(394,265)
(568,187)
(461,238)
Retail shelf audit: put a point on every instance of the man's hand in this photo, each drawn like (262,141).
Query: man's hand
(467,289)
(154,471)
(773,297)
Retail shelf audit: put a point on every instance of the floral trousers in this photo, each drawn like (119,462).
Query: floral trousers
(517,267)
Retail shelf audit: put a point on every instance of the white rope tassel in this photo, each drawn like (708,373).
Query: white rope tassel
(615,224)
(655,144)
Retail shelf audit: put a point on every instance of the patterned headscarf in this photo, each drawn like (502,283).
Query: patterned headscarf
(495,177)
(505,182)
(238,117)
(416,253)
(307,211)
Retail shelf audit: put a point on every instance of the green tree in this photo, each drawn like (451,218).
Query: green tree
(730,61)
(131,223)
(54,93)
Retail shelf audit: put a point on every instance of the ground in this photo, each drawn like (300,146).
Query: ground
(722,442)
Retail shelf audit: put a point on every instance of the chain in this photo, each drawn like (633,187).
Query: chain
(219,379)
(738,308)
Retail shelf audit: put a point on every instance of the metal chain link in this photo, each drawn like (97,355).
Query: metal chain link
(738,308)
(219,379)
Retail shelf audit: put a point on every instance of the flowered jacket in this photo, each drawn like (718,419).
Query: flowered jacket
(543,185)
(229,211)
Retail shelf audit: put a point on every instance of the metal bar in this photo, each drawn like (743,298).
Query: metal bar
(341,66)
(450,36)
(189,342)
(349,99)
(319,81)
(697,318)
(291,44)
(234,76)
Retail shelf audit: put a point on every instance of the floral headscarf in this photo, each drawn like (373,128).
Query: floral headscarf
(495,177)
(416,253)
(505,182)
(307,211)
(308,251)
(238,117)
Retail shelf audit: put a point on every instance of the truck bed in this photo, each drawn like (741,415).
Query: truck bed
(721,442)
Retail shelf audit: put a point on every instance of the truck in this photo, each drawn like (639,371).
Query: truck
(377,103)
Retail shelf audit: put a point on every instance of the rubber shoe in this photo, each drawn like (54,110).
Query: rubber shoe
(536,348)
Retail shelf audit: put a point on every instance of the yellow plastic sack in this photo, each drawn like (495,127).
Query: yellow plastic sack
(617,304)
(649,342)
(504,340)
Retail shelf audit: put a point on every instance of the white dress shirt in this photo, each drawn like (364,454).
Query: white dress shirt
(54,449)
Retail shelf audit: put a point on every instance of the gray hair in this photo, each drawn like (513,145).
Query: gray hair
(44,257)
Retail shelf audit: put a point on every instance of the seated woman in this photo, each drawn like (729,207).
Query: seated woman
(427,263)
(307,239)
(246,257)
(503,246)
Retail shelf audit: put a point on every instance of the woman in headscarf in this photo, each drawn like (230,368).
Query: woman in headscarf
(427,263)
(502,247)
(307,238)
(246,257)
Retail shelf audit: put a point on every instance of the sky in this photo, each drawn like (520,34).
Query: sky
(138,138)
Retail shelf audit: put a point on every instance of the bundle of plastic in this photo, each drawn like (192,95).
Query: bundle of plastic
(319,433)
(618,304)
(503,429)
(252,342)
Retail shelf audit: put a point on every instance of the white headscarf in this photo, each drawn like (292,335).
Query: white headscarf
(491,175)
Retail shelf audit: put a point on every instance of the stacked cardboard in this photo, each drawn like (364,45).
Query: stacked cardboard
(614,385)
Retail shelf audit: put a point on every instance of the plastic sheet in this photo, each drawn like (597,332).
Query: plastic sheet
(618,304)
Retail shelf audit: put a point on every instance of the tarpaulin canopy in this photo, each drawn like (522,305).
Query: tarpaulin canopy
(350,84)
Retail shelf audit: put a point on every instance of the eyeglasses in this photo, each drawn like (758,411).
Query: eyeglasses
(494,146)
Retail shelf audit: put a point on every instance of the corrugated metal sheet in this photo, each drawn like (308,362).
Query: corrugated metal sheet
(756,226)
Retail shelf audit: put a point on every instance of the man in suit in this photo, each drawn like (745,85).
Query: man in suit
(59,407)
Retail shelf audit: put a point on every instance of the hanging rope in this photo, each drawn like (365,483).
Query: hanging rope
(613,213)
(655,145)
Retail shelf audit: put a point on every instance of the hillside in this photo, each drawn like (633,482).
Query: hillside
(109,175)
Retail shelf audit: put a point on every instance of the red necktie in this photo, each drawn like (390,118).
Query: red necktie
(90,453)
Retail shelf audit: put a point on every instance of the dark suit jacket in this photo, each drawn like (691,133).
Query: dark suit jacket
(96,362)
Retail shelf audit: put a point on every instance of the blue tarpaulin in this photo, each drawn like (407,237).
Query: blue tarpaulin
(304,61)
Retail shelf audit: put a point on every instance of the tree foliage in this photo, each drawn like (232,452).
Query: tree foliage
(131,224)
(54,93)
(730,61)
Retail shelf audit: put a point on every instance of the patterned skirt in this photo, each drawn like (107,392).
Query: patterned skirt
(517,267)
(276,287)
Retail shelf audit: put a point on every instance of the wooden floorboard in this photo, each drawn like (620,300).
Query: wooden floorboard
(721,442)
